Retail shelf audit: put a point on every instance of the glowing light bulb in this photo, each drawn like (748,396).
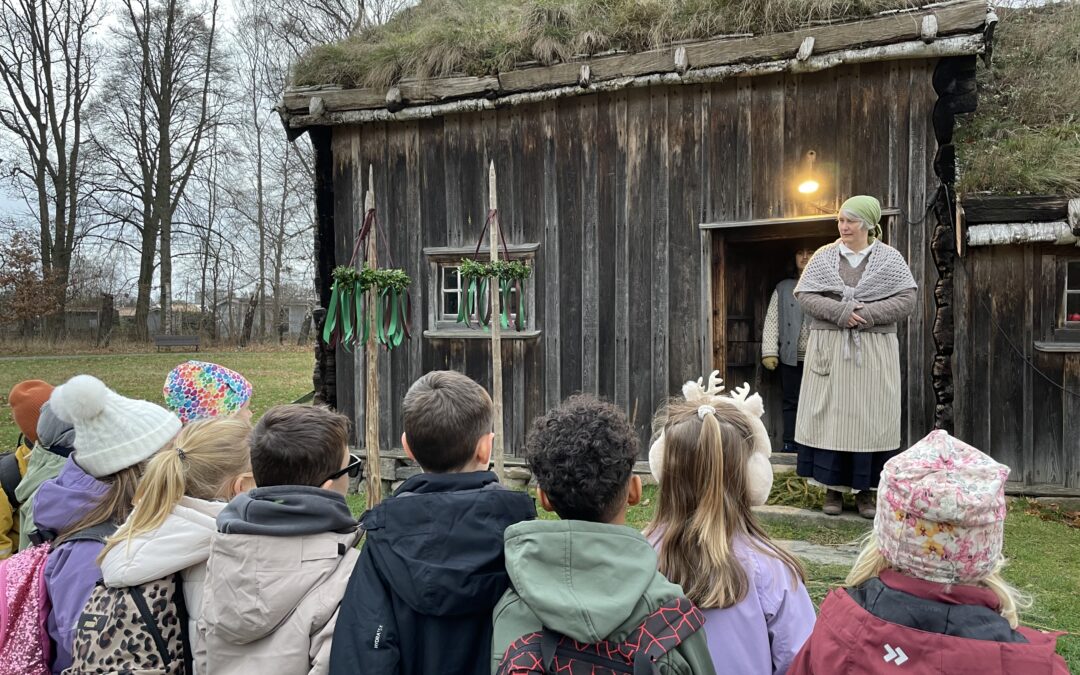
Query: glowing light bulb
(809,187)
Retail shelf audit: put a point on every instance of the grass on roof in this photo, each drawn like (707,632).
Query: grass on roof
(1025,135)
(439,38)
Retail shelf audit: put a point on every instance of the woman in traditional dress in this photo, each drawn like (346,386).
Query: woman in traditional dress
(855,290)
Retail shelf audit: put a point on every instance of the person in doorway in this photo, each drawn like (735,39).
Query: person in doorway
(783,342)
(855,290)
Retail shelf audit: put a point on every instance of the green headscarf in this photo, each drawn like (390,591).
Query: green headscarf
(867,208)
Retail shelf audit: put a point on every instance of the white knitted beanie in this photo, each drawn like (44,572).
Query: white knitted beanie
(111,432)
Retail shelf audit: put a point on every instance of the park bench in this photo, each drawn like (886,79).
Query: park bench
(171,341)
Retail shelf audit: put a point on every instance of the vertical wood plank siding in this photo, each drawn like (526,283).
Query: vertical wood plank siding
(1007,297)
(613,187)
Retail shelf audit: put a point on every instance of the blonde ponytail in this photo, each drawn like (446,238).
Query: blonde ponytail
(704,503)
(206,457)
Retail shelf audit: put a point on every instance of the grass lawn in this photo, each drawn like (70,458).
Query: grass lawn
(277,377)
(1044,557)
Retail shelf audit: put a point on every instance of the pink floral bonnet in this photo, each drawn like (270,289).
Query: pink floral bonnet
(941,511)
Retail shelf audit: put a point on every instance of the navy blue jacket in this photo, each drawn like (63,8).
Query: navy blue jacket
(431,571)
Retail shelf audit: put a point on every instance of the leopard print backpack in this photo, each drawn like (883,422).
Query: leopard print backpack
(135,630)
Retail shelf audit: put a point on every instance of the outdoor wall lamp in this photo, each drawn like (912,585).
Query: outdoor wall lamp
(809,184)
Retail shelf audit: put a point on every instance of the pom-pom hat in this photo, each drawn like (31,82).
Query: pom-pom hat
(112,432)
(941,511)
(195,390)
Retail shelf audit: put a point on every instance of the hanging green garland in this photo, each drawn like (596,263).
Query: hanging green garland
(479,280)
(511,275)
(349,319)
(392,306)
(474,285)
(347,306)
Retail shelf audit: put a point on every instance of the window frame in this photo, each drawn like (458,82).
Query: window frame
(443,326)
(1061,335)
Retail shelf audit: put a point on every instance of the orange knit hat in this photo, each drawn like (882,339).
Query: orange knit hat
(26,399)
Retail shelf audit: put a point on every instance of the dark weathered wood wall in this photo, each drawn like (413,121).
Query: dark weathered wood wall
(613,187)
(1006,300)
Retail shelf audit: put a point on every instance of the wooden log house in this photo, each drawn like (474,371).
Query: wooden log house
(654,195)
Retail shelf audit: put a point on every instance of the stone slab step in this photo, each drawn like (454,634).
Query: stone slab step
(787,514)
(843,555)
(783,458)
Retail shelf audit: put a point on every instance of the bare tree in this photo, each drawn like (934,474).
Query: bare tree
(159,110)
(276,200)
(47,68)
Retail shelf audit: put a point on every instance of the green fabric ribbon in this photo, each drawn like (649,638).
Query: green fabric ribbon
(472,305)
(331,316)
(521,305)
(504,310)
(391,317)
(347,317)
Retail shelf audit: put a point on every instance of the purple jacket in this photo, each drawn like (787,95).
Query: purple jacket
(72,570)
(763,632)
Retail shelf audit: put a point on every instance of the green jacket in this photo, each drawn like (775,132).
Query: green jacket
(43,466)
(590,582)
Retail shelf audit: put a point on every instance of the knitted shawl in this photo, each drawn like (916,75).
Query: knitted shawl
(886,274)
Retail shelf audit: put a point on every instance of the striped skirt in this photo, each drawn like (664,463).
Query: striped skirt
(846,405)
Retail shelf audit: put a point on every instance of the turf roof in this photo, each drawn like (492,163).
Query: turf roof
(1025,135)
(439,38)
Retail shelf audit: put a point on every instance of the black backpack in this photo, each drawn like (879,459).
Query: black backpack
(549,652)
(10,476)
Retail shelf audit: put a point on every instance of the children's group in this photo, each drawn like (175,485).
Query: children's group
(180,539)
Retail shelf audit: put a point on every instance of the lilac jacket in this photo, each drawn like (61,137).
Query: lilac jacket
(72,570)
(763,632)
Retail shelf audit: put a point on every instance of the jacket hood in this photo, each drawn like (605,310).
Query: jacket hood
(256,582)
(182,541)
(586,578)
(286,511)
(54,434)
(62,501)
(438,542)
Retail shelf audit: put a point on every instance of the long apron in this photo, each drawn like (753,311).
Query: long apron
(846,405)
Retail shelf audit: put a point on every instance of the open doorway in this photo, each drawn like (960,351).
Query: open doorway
(748,261)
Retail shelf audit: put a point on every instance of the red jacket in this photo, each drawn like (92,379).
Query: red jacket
(934,630)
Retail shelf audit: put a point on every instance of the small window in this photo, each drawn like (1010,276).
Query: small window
(1072,294)
(445,286)
(1063,335)
(450,292)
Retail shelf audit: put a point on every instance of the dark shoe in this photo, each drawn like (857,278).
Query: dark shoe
(866,503)
(834,503)
(789,447)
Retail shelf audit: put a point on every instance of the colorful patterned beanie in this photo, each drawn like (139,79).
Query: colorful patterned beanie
(196,390)
(941,511)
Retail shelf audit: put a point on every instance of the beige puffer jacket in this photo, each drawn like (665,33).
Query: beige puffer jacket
(271,602)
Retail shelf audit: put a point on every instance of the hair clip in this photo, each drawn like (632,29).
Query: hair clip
(704,410)
(181,454)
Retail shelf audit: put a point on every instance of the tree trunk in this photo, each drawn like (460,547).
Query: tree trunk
(146,277)
(105,320)
(249,320)
(305,329)
(163,188)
